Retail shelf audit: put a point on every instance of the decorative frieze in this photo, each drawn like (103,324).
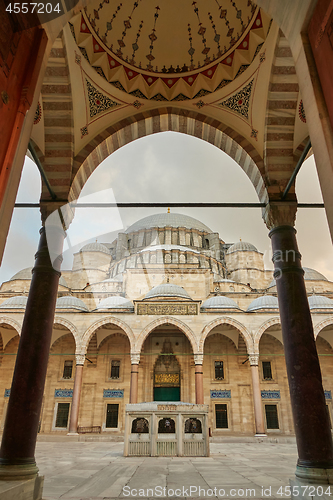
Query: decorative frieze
(113,393)
(160,309)
(63,393)
(166,378)
(226,394)
(270,394)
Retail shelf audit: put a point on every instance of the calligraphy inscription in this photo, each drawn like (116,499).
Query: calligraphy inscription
(179,309)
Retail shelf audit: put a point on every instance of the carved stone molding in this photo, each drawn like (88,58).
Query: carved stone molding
(159,309)
(198,359)
(254,359)
(135,358)
(80,359)
(280,213)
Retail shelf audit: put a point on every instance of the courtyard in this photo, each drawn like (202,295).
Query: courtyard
(236,468)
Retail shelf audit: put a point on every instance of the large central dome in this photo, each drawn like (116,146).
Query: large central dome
(168,220)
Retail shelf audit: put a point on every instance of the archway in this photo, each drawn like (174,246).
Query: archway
(165,369)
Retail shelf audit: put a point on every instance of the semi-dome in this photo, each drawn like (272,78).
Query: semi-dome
(309,275)
(115,302)
(264,302)
(219,302)
(95,247)
(168,220)
(167,290)
(17,302)
(26,274)
(70,302)
(242,246)
(320,302)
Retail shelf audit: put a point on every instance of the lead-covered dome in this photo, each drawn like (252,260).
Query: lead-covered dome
(167,290)
(242,246)
(168,220)
(309,275)
(320,302)
(219,302)
(17,302)
(95,247)
(26,274)
(264,302)
(115,302)
(70,302)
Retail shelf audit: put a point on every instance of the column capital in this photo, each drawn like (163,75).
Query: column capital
(135,358)
(198,359)
(80,359)
(280,213)
(254,359)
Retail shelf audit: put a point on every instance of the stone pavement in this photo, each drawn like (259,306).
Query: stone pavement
(97,470)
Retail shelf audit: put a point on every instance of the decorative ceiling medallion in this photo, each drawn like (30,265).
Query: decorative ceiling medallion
(98,102)
(240,102)
(301,112)
(38,114)
(188,79)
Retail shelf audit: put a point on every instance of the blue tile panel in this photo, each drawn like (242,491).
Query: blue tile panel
(220,394)
(111,393)
(270,394)
(63,393)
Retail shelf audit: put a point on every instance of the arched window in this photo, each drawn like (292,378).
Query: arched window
(140,426)
(166,425)
(193,425)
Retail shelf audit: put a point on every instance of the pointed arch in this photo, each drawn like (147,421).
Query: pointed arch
(261,330)
(12,322)
(226,321)
(166,320)
(175,120)
(72,328)
(82,348)
(323,324)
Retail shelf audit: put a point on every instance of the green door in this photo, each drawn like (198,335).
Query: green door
(166,393)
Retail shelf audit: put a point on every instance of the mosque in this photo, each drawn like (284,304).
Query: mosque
(166,312)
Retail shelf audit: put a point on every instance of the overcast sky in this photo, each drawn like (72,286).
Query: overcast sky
(169,167)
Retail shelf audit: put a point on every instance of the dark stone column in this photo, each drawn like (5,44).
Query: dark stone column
(311,421)
(17,454)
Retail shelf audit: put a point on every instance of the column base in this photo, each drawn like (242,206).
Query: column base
(22,490)
(260,435)
(309,490)
(73,434)
(314,475)
(18,472)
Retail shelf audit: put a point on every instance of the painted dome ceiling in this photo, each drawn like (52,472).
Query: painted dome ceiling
(149,48)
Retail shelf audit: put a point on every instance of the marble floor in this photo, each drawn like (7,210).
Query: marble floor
(98,470)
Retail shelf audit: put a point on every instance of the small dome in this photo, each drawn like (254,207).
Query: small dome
(320,302)
(115,302)
(168,290)
(168,220)
(70,302)
(219,302)
(309,274)
(242,246)
(264,302)
(95,247)
(26,274)
(18,302)
(312,274)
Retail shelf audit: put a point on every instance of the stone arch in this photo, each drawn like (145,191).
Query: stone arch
(11,322)
(105,321)
(186,330)
(67,324)
(323,324)
(226,321)
(169,119)
(261,330)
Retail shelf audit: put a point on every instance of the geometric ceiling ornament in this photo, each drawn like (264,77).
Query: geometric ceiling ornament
(239,102)
(171,49)
(98,102)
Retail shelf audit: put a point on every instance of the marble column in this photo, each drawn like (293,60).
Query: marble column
(74,416)
(257,404)
(135,360)
(199,389)
(17,454)
(311,420)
